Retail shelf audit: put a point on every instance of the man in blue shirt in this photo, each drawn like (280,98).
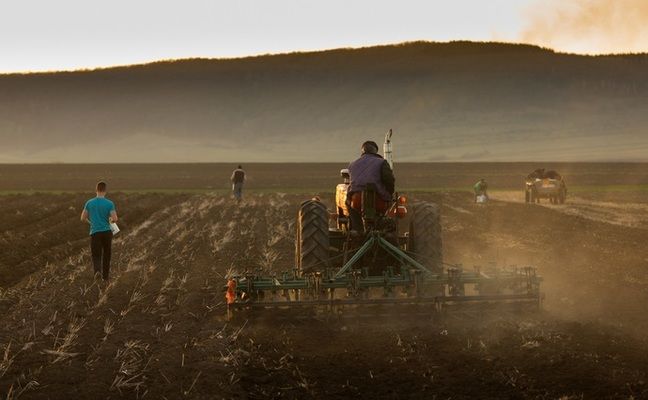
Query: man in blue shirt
(99,213)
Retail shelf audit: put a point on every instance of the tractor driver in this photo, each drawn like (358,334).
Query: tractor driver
(369,168)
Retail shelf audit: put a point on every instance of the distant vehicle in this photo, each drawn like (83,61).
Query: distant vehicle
(545,185)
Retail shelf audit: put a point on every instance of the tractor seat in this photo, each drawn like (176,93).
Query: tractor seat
(380,205)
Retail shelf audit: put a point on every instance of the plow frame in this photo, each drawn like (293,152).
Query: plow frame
(413,284)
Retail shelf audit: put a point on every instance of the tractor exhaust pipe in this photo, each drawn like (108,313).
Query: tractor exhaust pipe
(387,149)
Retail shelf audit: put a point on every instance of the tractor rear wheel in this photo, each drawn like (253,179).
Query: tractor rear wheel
(425,236)
(562,196)
(312,237)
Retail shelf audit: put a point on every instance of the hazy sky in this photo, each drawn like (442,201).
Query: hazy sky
(38,35)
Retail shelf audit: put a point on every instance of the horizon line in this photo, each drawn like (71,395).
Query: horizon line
(319,162)
(311,51)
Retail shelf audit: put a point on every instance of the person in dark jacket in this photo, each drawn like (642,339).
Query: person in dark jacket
(238,177)
(369,168)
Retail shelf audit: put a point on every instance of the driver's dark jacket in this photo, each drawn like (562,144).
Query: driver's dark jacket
(371,168)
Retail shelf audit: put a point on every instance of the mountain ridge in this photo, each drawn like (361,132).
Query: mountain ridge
(458,101)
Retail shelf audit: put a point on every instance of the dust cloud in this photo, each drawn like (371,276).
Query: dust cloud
(589,26)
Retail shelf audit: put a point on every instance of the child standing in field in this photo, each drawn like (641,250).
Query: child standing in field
(100,212)
(238,177)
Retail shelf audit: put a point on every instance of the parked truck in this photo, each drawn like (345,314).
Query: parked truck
(541,184)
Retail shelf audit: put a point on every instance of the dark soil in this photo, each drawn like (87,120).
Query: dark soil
(158,329)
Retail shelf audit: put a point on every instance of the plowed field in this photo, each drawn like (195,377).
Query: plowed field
(158,330)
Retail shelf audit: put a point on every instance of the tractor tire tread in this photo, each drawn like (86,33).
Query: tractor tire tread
(312,240)
(425,235)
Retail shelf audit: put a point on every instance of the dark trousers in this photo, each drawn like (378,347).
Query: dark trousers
(100,246)
(355,218)
(237,188)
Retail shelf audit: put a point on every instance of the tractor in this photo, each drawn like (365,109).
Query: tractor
(394,258)
(545,185)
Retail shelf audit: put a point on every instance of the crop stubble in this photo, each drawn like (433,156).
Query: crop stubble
(158,329)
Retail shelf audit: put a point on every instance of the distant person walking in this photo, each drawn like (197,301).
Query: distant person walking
(100,212)
(481,189)
(238,177)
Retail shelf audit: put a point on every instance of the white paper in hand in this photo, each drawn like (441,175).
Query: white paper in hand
(114,228)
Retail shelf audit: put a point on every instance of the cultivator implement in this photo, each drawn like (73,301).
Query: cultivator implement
(406,282)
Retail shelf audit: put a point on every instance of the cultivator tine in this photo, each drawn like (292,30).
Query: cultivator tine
(455,284)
